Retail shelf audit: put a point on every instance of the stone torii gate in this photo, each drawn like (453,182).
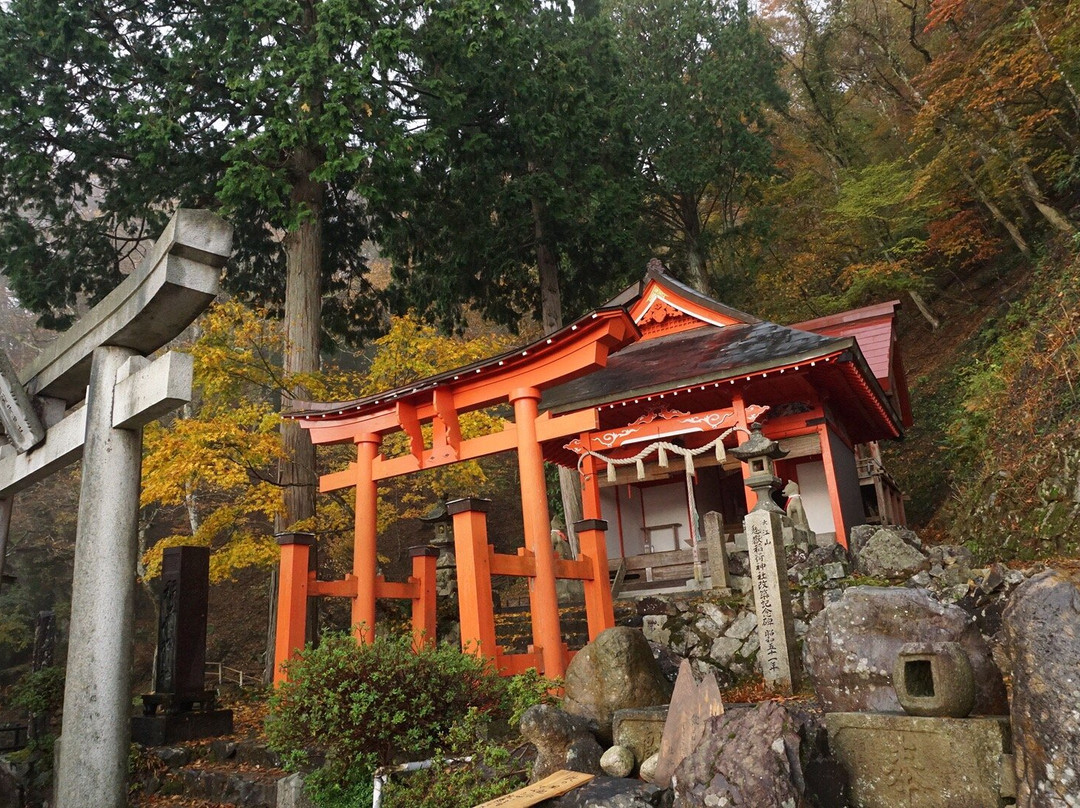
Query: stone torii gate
(101,359)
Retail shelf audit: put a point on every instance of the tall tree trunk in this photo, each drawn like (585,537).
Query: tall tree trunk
(303,298)
(695,268)
(6,505)
(697,274)
(552,319)
(548,269)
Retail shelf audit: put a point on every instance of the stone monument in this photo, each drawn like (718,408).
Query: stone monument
(180,663)
(764,527)
(101,360)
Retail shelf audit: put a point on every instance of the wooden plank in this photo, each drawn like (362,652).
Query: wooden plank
(345,588)
(519,566)
(513,664)
(554,785)
(574,569)
(405,590)
(675,572)
(666,558)
(336,480)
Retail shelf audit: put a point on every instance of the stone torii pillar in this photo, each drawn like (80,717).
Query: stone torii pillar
(101,358)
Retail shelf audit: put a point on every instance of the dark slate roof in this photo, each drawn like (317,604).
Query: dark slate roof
(699,355)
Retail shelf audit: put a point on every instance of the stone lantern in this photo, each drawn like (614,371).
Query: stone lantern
(759,452)
(446,567)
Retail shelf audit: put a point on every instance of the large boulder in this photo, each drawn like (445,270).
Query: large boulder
(562,741)
(887,555)
(852,645)
(1042,640)
(764,757)
(616,671)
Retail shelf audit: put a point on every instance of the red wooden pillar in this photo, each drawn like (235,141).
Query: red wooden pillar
(832,484)
(591,533)
(739,406)
(473,575)
(543,595)
(364,552)
(292,597)
(423,605)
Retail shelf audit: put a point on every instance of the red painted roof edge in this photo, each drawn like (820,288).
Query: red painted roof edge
(850,316)
(872,390)
(350,409)
(634,292)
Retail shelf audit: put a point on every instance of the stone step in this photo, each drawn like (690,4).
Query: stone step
(243,773)
(230,786)
(249,752)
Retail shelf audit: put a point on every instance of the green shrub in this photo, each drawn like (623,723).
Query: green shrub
(40,692)
(525,690)
(364,706)
(454,782)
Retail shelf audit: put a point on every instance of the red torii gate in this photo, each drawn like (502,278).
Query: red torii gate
(517,377)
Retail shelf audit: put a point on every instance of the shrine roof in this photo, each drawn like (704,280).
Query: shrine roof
(872,327)
(656,275)
(609,326)
(703,354)
(659,335)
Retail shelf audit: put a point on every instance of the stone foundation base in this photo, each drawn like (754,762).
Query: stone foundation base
(161,730)
(901,760)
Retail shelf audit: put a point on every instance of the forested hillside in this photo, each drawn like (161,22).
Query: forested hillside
(516,163)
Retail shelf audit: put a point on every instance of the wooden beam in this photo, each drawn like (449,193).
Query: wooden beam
(345,588)
(401,590)
(406,415)
(549,427)
(446,429)
(513,664)
(519,566)
(337,480)
(470,449)
(574,569)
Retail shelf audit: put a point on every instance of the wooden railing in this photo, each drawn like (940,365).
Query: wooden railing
(220,673)
(13,736)
(671,568)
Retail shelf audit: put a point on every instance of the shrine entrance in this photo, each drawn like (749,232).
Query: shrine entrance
(517,378)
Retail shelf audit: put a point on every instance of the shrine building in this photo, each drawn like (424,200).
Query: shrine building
(642,397)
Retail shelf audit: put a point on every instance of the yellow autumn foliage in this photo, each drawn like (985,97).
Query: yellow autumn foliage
(217,458)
